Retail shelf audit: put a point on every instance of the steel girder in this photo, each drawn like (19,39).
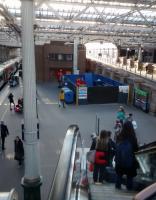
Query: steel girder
(131,22)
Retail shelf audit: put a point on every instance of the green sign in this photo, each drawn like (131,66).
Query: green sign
(141,92)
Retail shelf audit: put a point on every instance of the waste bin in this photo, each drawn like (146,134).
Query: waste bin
(68,95)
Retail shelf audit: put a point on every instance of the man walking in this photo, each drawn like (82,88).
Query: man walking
(11,100)
(4,133)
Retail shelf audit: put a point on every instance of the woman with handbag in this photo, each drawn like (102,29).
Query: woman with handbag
(101,157)
(19,150)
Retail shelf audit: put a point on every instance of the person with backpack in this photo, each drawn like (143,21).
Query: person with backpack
(125,161)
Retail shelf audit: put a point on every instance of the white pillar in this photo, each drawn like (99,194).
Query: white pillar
(31,144)
(75,63)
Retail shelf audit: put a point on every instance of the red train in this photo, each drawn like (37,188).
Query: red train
(7,69)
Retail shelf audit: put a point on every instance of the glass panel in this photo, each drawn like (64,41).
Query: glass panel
(77,167)
(147,161)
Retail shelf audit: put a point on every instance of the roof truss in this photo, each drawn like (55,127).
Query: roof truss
(131,22)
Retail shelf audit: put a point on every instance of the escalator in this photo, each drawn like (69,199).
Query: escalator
(71,169)
(72,180)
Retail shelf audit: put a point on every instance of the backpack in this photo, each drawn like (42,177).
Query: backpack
(124,155)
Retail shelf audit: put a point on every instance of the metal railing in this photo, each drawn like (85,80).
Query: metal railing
(67,176)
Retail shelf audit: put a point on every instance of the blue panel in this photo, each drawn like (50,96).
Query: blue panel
(89,79)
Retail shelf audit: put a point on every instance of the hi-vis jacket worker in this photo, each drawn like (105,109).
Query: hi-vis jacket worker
(61,99)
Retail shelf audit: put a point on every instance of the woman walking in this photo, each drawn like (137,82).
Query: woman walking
(19,150)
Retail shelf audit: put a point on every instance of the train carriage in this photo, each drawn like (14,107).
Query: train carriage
(7,69)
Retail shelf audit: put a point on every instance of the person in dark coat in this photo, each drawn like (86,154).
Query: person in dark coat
(11,100)
(111,148)
(4,134)
(19,150)
(93,145)
(125,161)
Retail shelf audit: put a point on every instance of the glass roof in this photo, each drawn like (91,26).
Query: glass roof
(122,20)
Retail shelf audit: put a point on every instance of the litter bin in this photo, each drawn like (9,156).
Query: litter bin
(12,195)
(68,95)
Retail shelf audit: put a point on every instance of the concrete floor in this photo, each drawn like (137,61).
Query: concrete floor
(54,122)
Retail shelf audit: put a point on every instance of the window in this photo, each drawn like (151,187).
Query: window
(69,57)
(60,57)
(52,56)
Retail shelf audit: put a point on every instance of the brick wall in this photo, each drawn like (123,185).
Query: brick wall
(46,67)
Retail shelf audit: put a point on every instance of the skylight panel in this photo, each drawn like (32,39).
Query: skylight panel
(11,3)
(66,7)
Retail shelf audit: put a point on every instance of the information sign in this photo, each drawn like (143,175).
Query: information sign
(82,92)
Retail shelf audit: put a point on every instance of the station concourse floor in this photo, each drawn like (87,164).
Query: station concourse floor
(54,122)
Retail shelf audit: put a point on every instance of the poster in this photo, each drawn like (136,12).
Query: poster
(82,92)
(123,88)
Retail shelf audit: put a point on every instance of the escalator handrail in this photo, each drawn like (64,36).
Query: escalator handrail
(146,193)
(146,150)
(62,181)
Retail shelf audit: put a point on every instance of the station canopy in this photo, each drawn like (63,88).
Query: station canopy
(122,22)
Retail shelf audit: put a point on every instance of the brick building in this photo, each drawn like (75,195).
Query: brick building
(54,56)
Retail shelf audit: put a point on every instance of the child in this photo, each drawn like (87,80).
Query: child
(61,99)
(121,114)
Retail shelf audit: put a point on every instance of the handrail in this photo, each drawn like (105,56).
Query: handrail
(146,193)
(62,181)
(12,195)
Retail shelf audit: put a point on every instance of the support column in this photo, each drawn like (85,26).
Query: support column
(31,181)
(118,51)
(75,63)
(139,54)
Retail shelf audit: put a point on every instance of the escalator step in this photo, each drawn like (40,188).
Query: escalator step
(108,192)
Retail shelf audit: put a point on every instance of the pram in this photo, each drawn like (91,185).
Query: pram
(14,80)
(19,106)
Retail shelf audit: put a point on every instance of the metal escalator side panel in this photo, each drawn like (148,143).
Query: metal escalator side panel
(60,186)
